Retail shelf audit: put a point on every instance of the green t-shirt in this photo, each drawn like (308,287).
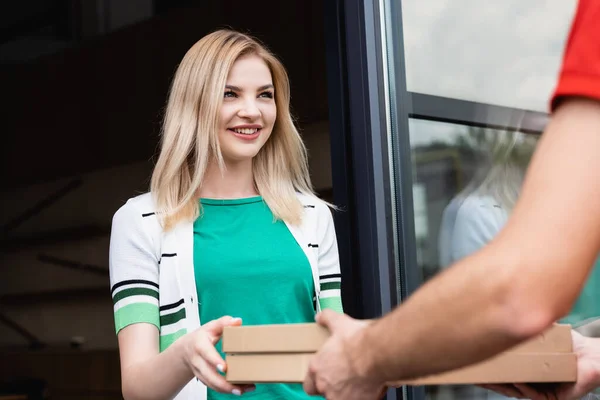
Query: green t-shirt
(250,266)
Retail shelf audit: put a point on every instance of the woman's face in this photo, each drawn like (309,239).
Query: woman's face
(248,112)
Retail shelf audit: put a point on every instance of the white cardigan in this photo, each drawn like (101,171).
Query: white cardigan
(145,261)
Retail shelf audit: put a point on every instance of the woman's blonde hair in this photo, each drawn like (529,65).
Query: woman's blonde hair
(190,133)
(504,160)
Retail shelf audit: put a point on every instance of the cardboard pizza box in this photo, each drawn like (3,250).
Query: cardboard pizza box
(505,368)
(282,353)
(288,338)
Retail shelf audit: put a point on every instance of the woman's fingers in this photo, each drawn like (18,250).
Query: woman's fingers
(247,388)
(214,328)
(208,361)
(205,349)
(211,378)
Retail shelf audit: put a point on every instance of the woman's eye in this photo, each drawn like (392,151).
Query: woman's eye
(268,95)
(229,93)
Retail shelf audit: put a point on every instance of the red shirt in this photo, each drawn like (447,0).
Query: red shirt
(580,72)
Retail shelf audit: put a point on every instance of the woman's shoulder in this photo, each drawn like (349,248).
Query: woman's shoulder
(140,206)
(480,216)
(311,201)
(481,205)
(143,202)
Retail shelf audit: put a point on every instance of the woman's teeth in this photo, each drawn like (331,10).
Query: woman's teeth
(246,131)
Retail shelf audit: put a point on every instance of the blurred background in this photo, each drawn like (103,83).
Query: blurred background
(84,86)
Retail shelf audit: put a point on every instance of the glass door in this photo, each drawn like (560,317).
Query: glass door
(467,95)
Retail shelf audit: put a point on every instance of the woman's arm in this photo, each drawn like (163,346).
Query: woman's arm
(148,375)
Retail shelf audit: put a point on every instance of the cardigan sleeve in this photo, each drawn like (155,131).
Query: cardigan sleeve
(330,278)
(134,269)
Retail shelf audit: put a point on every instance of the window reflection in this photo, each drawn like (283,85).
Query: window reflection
(478,212)
(467,180)
(466,183)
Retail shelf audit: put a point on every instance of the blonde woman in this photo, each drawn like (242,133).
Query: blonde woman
(230,228)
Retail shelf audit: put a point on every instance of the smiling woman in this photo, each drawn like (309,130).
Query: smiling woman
(231,227)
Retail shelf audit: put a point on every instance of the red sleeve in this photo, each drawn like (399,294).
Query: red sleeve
(580,71)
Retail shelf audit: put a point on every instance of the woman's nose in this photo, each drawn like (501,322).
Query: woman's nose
(249,110)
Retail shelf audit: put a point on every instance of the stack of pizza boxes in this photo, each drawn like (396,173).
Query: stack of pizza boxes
(282,353)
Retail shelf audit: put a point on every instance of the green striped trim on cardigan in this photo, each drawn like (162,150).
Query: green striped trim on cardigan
(330,296)
(135,301)
(167,340)
(330,282)
(332,303)
(172,313)
(134,287)
(172,323)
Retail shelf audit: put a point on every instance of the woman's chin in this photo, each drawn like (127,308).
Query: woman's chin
(239,157)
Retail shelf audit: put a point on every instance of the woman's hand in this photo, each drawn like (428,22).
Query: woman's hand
(203,359)
(588,376)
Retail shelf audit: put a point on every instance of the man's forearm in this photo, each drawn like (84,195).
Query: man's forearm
(461,317)
(514,288)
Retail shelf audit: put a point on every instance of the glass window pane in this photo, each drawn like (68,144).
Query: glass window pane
(465,178)
(507,53)
(465,183)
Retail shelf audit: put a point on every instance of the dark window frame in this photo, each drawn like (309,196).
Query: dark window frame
(369,112)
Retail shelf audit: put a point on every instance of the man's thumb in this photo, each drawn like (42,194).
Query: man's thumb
(329,319)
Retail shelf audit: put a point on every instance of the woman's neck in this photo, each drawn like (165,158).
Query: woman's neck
(237,181)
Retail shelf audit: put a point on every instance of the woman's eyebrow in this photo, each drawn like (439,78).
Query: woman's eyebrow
(260,89)
(265,87)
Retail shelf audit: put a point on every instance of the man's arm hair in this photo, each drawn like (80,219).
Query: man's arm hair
(513,289)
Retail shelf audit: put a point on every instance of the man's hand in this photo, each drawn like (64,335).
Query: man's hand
(588,376)
(335,371)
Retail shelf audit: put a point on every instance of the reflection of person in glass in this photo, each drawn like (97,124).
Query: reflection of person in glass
(540,260)
(478,213)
